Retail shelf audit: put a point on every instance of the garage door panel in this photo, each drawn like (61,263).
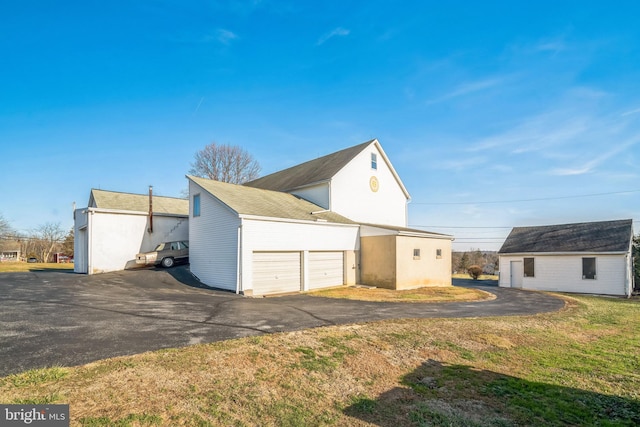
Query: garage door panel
(276,272)
(326,269)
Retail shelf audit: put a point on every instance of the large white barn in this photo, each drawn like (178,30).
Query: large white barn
(339,219)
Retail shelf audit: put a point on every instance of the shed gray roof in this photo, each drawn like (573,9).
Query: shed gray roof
(138,202)
(317,170)
(602,236)
(274,204)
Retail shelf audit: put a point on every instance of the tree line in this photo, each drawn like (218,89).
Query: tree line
(486,260)
(41,243)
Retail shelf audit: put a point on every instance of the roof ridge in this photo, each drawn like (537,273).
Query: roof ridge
(135,194)
(311,171)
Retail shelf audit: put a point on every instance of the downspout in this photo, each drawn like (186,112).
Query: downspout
(150,230)
(89,241)
(239,261)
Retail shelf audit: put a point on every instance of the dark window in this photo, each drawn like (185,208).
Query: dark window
(196,205)
(438,253)
(416,254)
(529,267)
(588,268)
(374,161)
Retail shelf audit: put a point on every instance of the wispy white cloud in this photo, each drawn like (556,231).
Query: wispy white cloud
(590,165)
(630,112)
(336,32)
(468,88)
(225,36)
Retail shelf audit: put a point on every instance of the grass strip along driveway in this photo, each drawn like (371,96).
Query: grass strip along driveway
(579,366)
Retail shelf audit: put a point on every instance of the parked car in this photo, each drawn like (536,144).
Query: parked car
(165,254)
(32,259)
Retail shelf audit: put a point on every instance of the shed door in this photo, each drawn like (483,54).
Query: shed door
(326,269)
(276,272)
(517,273)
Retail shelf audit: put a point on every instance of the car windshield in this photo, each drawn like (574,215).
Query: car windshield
(160,247)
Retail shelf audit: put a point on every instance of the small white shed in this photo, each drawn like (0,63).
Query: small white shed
(589,257)
(116,226)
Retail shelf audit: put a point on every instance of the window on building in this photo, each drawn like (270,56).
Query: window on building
(416,254)
(196,205)
(374,161)
(588,268)
(529,267)
(438,253)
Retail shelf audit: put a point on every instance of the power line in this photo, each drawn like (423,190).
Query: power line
(452,226)
(527,200)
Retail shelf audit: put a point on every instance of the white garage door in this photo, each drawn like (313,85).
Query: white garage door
(326,269)
(276,272)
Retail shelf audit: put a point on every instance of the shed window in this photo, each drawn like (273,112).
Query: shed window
(416,254)
(529,267)
(438,253)
(588,268)
(196,205)
(374,161)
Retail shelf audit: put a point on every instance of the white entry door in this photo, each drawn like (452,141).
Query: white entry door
(517,273)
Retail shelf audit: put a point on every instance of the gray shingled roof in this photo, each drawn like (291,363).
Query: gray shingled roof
(603,236)
(274,204)
(138,202)
(317,170)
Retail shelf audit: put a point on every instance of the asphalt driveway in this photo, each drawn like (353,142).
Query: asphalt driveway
(58,318)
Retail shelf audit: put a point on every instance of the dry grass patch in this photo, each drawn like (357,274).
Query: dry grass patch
(427,294)
(536,370)
(21,267)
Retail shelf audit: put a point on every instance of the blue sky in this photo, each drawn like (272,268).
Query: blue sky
(530,104)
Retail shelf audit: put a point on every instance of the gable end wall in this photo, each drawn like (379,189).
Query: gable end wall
(351,195)
(213,241)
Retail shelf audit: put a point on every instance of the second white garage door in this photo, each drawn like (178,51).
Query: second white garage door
(276,272)
(326,269)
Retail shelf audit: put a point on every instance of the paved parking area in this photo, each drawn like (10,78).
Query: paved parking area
(58,318)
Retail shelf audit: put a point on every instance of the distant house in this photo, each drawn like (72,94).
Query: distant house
(10,255)
(116,226)
(339,219)
(589,257)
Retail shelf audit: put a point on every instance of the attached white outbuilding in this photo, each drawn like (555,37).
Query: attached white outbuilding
(590,257)
(261,242)
(115,226)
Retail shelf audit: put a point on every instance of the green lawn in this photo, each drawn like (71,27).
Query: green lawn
(580,366)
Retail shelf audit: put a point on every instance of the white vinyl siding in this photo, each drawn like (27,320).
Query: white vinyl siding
(276,272)
(213,242)
(326,269)
(352,197)
(109,241)
(563,273)
(317,194)
(275,236)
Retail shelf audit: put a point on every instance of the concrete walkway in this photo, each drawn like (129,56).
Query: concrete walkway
(58,318)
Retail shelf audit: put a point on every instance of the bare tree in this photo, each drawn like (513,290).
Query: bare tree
(226,163)
(47,238)
(5,228)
